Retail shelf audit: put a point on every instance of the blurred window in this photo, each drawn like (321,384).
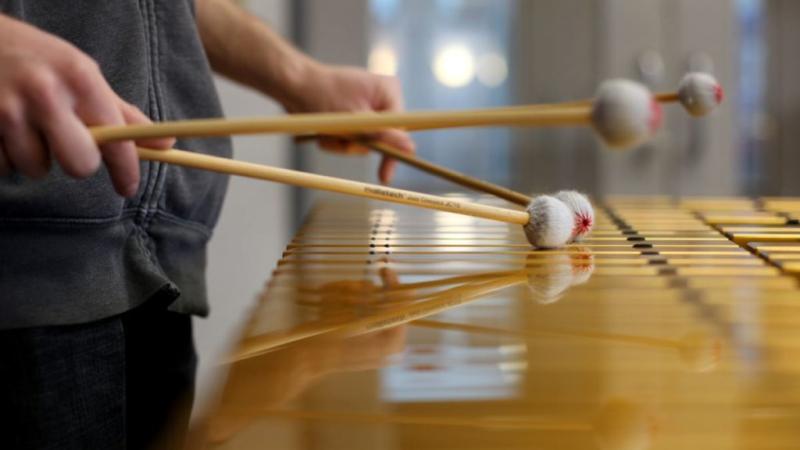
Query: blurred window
(754,124)
(448,54)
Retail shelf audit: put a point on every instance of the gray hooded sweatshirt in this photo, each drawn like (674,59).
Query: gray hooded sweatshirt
(73,251)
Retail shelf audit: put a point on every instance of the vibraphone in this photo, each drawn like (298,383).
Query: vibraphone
(676,325)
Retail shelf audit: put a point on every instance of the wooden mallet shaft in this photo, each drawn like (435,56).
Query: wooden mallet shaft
(449,174)
(661,97)
(435,169)
(667,97)
(332,184)
(347,123)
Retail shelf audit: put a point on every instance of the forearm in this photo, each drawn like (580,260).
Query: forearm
(243,48)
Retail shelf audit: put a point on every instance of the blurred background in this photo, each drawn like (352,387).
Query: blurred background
(481,53)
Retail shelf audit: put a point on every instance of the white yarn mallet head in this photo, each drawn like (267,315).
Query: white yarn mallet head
(582,211)
(550,224)
(625,113)
(700,93)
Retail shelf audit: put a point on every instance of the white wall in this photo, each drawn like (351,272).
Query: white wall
(254,226)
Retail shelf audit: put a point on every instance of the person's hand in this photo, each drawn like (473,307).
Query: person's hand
(333,88)
(50,92)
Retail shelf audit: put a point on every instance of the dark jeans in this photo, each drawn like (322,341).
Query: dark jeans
(126,382)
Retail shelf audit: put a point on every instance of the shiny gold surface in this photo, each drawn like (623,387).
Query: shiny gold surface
(394,328)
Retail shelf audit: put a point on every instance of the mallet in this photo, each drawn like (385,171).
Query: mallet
(547,222)
(624,114)
(577,202)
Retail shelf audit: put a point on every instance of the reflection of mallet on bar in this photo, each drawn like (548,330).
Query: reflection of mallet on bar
(380,320)
(347,325)
(618,425)
(698,350)
(547,282)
